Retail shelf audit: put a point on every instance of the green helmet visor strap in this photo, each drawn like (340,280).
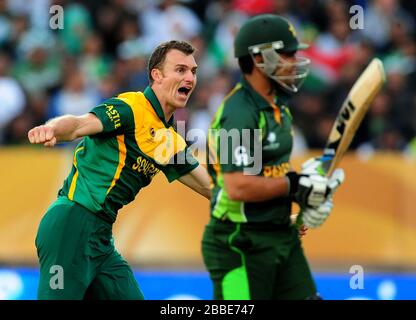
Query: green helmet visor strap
(289,75)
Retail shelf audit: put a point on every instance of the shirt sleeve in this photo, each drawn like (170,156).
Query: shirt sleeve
(238,139)
(181,164)
(115,115)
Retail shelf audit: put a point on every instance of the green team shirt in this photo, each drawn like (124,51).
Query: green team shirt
(111,167)
(241,110)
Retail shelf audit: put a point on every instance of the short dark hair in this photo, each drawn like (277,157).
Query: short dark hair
(159,54)
(246,64)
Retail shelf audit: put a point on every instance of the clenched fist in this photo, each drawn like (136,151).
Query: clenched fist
(42,134)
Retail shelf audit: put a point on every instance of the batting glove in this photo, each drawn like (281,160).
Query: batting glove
(315,217)
(336,179)
(312,190)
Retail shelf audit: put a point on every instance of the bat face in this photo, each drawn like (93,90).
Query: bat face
(344,119)
(345,126)
(352,113)
(350,117)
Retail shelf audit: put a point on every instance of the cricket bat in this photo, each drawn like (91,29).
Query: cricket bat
(350,117)
(352,113)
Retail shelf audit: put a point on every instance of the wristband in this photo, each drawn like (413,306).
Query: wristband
(293,182)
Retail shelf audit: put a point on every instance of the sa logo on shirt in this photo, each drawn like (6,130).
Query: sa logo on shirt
(152,134)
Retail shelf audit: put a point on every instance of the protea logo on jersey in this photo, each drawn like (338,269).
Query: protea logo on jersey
(113,115)
(145,167)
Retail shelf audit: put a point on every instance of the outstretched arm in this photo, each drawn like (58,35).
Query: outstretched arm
(65,128)
(198,180)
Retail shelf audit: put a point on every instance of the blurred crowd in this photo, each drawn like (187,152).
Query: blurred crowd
(104,45)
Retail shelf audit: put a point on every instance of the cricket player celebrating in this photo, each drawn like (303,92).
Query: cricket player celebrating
(250,247)
(126,141)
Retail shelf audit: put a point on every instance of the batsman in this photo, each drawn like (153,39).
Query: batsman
(251,248)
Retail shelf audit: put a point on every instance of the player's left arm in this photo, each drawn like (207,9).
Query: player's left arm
(198,180)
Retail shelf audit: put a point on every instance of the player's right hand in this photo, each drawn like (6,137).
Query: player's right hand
(43,134)
(312,190)
(313,166)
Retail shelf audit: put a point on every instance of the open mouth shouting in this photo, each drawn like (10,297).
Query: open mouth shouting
(184,91)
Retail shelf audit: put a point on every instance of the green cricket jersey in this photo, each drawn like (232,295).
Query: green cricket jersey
(111,167)
(241,110)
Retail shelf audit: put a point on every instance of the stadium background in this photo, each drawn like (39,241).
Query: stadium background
(102,50)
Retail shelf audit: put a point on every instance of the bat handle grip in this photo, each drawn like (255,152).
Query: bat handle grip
(299,220)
